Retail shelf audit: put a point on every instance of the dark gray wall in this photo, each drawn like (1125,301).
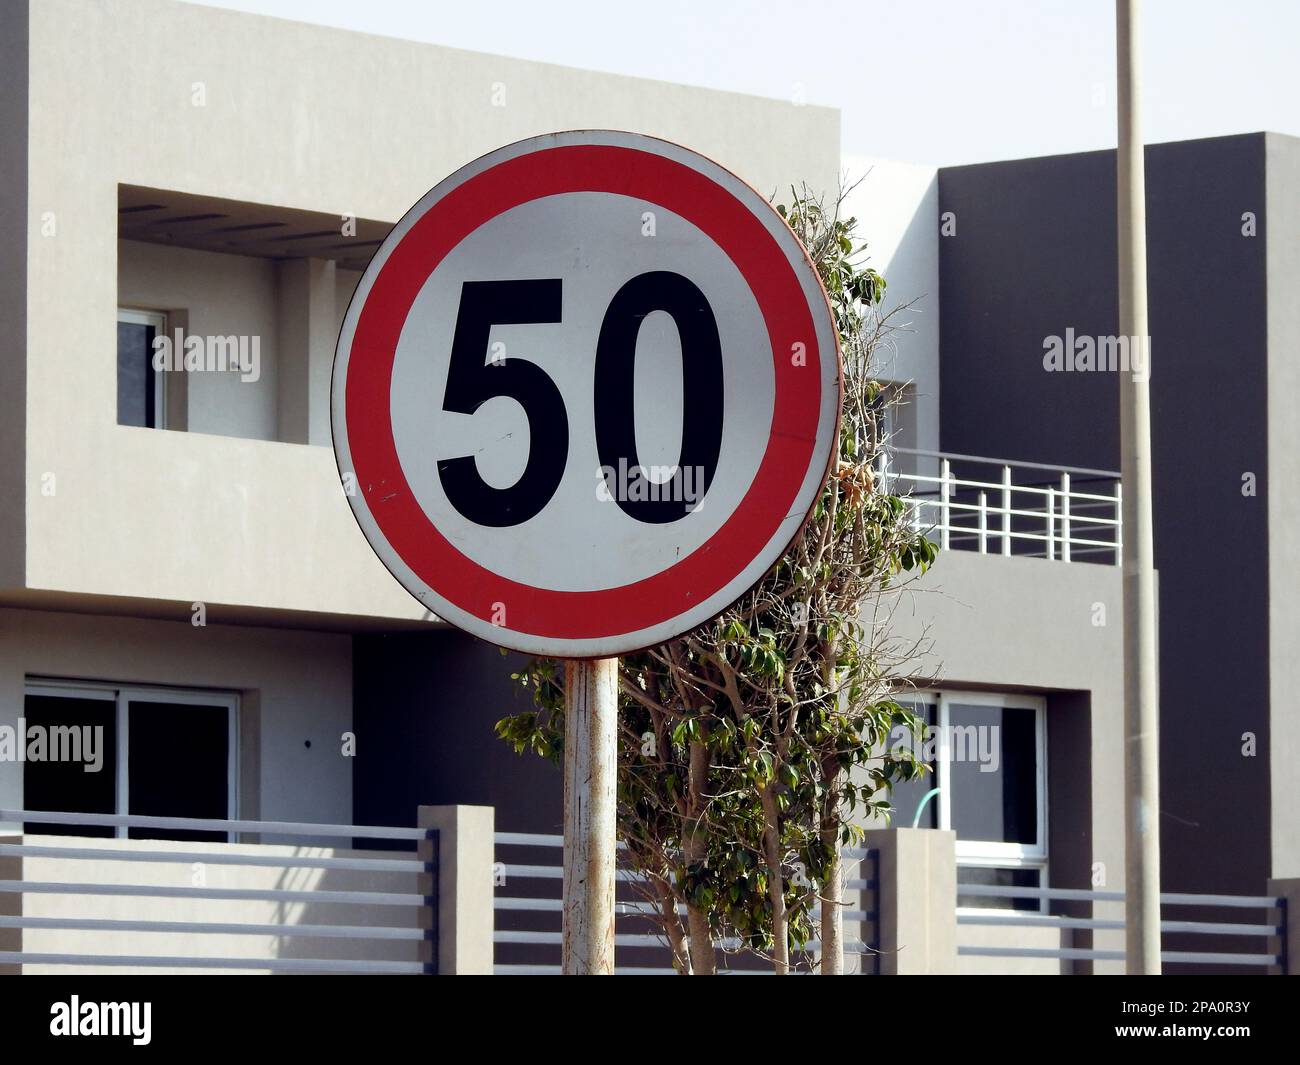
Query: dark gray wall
(1034,253)
(424,707)
(1069,804)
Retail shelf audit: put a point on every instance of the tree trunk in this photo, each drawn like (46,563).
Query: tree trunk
(832,922)
(673,930)
(702,950)
(775,882)
(832,930)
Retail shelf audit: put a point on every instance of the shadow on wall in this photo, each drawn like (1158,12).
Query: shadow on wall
(424,709)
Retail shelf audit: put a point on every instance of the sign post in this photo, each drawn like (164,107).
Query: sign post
(590,829)
(585,395)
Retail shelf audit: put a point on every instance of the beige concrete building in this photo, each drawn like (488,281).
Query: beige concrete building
(178,563)
(231,191)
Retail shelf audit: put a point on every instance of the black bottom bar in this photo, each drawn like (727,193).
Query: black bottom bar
(365,1013)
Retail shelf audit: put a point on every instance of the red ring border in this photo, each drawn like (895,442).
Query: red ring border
(654,600)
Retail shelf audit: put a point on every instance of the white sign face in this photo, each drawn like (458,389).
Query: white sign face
(588,390)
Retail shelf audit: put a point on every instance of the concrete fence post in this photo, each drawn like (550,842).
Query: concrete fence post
(462,886)
(916,900)
(1288,947)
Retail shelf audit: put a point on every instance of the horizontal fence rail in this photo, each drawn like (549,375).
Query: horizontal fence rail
(1271,929)
(534,950)
(974,503)
(301,873)
(291,829)
(276,965)
(519,904)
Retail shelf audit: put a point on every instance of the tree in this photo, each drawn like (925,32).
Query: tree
(751,748)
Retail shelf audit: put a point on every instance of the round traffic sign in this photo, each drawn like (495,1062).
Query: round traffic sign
(586,394)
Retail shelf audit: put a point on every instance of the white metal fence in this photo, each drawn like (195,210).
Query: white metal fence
(973,503)
(528,907)
(88,902)
(1267,936)
(527,937)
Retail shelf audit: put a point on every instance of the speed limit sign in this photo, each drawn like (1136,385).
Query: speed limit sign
(586,394)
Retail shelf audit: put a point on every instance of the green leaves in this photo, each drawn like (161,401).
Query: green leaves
(735,631)
(788,695)
(687,731)
(919,554)
(761,768)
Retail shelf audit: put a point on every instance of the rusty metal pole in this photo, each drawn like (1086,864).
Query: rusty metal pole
(590,831)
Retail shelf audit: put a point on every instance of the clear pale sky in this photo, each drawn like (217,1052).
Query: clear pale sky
(929,81)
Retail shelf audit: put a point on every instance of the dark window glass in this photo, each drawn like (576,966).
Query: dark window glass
(178,765)
(993,773)
(1021,878)
(136,379)
(67,785)
(907,797)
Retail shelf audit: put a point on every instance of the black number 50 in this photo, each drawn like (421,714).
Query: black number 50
(472,380)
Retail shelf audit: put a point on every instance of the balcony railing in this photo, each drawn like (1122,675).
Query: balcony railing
(973,503)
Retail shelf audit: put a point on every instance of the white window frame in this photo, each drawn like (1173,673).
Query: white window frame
(123,696)
(157,319)
(979,852)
